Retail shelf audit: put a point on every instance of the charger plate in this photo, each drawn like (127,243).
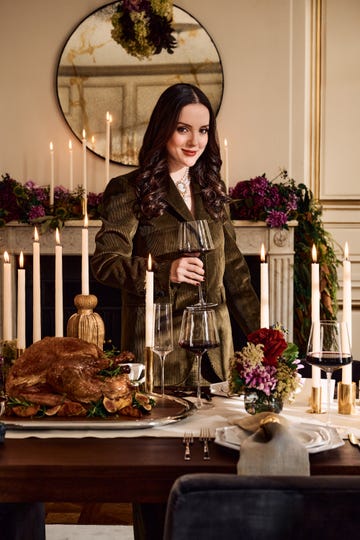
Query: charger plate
(167,411)
(314,437)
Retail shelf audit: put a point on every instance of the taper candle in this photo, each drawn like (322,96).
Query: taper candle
(107,147)
(149,305)
(7,298)
(226,159)
(315,314)
(84,163)
(85,257)
(21,305)
(52,174)
(71,170)
(59,327)
(347,309)
(36,288)
(264,290)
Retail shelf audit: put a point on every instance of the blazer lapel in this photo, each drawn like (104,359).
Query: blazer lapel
(178,205)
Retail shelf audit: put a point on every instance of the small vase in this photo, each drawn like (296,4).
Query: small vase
(256,402)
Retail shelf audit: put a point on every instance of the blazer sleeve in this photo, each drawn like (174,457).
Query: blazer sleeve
(242,300)
(113,262)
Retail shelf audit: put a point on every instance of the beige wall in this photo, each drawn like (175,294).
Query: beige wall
(264,46)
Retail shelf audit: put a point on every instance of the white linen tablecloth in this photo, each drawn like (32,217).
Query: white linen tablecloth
(212,417)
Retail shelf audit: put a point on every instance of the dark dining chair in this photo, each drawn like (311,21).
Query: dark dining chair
(214,506)
(22,521)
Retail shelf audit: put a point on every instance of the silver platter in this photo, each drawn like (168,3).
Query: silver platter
(167,411)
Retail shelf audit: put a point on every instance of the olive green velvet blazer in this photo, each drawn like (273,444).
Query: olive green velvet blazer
(120,260)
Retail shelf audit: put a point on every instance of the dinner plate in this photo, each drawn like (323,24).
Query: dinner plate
(167,411)
(314,437)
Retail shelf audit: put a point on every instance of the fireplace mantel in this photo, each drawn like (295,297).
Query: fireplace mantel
(279,246)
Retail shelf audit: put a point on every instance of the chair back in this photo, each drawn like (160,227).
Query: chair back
(213,506)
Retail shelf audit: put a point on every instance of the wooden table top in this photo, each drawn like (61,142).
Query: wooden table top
(123,469)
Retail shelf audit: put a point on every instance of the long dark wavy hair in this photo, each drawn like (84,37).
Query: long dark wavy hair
(152,182)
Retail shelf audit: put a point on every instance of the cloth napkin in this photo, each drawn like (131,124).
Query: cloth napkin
(270,449)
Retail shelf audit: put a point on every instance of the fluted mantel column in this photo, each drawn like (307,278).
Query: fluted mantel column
(279,246)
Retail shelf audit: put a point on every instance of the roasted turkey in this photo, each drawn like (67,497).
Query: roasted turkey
(62,376)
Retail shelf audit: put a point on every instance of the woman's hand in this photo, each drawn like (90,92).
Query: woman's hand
(187,270)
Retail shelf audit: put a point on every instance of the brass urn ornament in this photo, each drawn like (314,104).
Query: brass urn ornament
(86,324)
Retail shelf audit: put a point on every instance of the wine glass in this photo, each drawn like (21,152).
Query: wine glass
(329,349)
(198,333)
(195,239)
(163,336)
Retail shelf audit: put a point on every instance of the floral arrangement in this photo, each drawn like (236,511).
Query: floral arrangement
(30,203)
(143,27)
(260,199)
(267,364)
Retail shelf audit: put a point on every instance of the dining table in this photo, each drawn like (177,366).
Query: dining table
(74,464)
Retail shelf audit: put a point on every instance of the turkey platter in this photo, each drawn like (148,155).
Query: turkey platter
(71,377)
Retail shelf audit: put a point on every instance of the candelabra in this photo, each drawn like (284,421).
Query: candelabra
(86,324)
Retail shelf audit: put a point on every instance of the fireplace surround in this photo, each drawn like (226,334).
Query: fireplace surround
(16,237)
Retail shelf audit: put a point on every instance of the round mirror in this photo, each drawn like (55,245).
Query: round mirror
(97,79)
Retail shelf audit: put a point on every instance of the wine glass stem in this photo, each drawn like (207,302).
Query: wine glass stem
(162,363)
(201,295)
(328,392)
(198,393)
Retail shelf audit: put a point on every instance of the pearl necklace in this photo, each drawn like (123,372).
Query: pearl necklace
(184,183)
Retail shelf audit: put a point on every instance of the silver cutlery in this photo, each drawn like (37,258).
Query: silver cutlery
(188,439)
(205,438)
(354,440)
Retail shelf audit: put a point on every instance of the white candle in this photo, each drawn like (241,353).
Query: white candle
(71,170)
(315,315)
(36,288)
(226,159)
(21,305)
(149,305)
(59,331)
(264,290)
(107,148)
(52,174)
(347,309)
(84,164)
(85,257)
(7,299)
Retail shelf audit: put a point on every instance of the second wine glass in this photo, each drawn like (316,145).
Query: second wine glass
(198,333)
(163,336)
(329,349)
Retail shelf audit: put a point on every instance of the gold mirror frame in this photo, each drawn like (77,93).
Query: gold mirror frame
(96,76)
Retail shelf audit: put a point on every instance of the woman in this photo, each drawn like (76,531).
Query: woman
(178,180)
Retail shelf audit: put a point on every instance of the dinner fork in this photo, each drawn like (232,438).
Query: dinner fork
(187,440)
(205,438)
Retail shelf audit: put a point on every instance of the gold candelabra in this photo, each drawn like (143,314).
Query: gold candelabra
(86,324)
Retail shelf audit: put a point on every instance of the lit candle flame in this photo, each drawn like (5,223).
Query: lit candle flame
(93,140)
(36,235)
(70,145)
(84,134)
(21,260)
(225,142)
(6,257)
(108,117)
(314,253)
(149,263)
(346,251)
(51,147)
(262,253)
(57,236)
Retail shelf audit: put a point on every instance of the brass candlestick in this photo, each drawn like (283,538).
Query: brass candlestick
(86,324)
(346,398)
(315,400)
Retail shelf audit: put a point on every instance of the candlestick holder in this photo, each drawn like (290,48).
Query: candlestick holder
(346,398)
(149,370)
(315,400)
(86,324)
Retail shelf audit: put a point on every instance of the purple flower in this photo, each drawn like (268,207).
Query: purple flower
(276,219)
(36,212)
